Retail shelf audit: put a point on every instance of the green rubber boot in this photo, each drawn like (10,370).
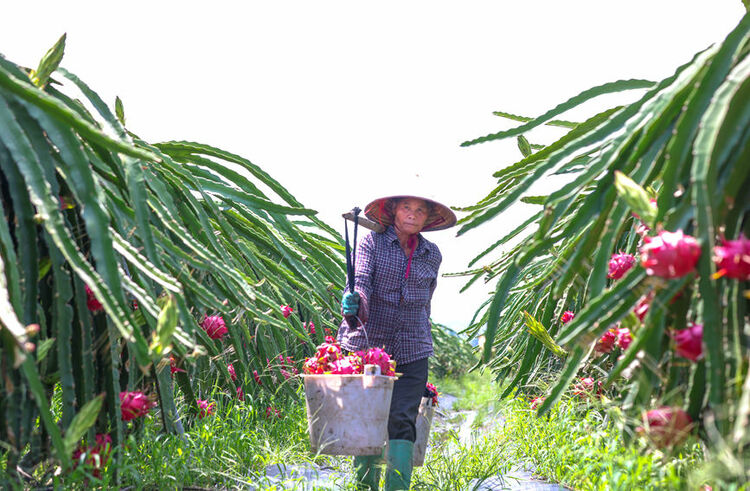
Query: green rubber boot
(367,470)
(398,472)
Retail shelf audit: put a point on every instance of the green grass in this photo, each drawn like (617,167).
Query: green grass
(577,444)
(580,446)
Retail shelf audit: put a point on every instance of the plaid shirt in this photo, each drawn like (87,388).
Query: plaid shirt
(395,309)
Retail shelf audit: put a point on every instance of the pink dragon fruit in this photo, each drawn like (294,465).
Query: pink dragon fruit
(206,408)
(619,265)
(378,356)
(286,311)
(643,304)
(92,303)
(733,259)
(624,338)
(666,426)
(606,342)
(432,392)
(134,405)
(670,254)
(232,373)
(689,342)
(567,316)
(214,326)
(343,366)
(585,387)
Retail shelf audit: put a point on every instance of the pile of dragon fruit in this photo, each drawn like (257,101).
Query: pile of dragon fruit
(330,360)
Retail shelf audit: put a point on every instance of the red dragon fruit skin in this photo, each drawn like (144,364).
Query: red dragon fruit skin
(732,258)
(666,426)
(670,254)
(606,342)
(620,264)
(689,342)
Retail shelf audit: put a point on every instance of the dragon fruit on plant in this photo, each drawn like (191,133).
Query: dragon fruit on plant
(666,426)
(619,265)
(689,342)
(606,342)
(214,326)
(670,254)
(733,258)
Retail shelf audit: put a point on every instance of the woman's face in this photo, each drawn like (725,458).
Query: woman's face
(411,214)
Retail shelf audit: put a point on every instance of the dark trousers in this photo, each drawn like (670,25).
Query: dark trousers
(407,394)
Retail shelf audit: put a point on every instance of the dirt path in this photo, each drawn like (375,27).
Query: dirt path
(288,476)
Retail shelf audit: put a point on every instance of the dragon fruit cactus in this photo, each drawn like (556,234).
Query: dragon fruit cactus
(666,426)
(619,264)
(670,254)
(733,259)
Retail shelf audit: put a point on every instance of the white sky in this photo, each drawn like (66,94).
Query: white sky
(346,101)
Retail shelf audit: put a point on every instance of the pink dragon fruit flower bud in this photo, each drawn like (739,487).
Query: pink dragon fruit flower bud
(624,338)
(689,342)
(666,426)
(134,405)
(206,408)
(733,259)
(619,264)
(214,326)
(567,316)
(240,394)
(286,311)
(232,373)
(670,254)
(536,402)
(606,342)
(92,303)
(257,377)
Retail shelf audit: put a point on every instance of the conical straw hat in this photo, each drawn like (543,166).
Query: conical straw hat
(382,211)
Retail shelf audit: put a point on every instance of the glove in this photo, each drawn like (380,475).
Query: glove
(350,303)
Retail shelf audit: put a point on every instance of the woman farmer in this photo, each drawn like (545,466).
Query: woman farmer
(396,274)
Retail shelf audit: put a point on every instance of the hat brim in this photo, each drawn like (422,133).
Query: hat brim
(382,211)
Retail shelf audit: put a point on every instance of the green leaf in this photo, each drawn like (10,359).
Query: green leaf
(165,328)
(119,110)
(49,63)
(636,197)
(524,146)
(83,420)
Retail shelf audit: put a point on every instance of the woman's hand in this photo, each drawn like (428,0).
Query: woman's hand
(350,303)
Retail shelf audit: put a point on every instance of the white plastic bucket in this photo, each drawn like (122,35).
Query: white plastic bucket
(424,422)
(348,414)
